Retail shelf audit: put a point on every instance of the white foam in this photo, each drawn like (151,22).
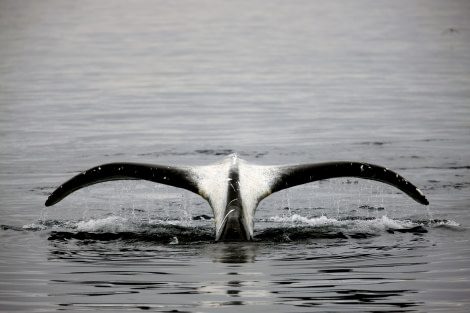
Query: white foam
(34,226)
(115,224)
(108,224)
(447,223)
(353,225)
(298,219)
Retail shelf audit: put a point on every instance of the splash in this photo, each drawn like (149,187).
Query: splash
(108,224)
(142,226)
(353,225)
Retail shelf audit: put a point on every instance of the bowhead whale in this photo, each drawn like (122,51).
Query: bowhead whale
(234,187)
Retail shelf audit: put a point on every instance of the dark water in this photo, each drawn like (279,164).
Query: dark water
(85,83)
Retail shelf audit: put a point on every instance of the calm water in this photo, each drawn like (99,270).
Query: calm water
(84,83)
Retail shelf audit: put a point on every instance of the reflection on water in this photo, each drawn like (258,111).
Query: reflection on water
(369,273)
(234,252)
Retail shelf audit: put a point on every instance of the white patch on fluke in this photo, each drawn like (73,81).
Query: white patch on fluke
(255,184)
(211,188)
(214,181)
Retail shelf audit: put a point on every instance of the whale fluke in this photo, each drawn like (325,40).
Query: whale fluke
(163,174)
(293,175)
(234,187)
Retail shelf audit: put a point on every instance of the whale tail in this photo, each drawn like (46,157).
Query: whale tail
(169,175)
(285,176)
(218,183)
(293,175)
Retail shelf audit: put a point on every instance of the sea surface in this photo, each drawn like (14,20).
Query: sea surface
(84,83)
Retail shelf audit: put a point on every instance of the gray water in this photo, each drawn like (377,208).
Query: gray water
(89,82)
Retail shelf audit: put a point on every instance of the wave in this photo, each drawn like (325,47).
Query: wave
(293,227)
